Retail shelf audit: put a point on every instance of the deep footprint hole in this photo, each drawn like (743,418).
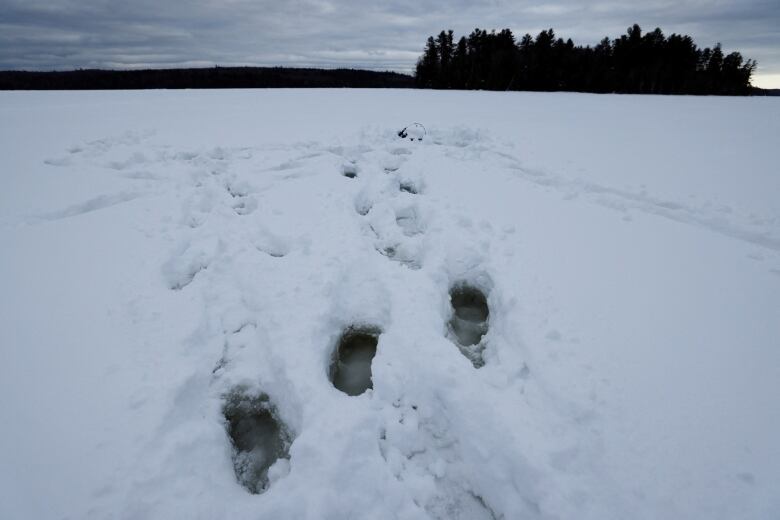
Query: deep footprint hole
(349,171)
(350,369)
(409,187)
(469,320)
(258,437)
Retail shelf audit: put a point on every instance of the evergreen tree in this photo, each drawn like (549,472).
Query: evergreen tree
(460,63)
(632,63)
(427,71)
(445,53)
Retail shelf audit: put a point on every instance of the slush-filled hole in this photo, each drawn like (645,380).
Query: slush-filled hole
(258,437)
(469,321)
(350,369)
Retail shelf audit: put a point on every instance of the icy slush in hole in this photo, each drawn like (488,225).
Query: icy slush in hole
(469,321)
(259,438)
(350,370)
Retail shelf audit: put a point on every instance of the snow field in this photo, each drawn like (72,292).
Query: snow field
(553,340)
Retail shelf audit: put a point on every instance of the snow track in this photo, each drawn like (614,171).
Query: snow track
(363,326)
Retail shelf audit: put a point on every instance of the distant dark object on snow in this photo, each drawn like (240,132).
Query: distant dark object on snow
(415,131)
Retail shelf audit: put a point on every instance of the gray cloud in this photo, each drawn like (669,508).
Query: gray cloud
(66,34)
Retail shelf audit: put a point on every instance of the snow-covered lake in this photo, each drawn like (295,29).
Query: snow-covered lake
(172,259)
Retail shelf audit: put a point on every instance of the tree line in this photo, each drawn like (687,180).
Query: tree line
(215,77)
(636,63)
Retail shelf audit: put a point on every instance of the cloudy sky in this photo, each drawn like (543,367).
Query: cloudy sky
(382,35)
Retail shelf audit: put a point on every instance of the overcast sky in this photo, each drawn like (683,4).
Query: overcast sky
(386,35)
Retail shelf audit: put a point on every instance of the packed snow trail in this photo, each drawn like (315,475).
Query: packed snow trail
(391,241)
(548,343)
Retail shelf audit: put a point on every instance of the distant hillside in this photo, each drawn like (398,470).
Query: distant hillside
(216,77)
(766,92)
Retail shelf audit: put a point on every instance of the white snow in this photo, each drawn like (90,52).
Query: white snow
(161,249)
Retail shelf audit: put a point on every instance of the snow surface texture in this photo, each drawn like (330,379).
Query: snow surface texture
(575,298)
